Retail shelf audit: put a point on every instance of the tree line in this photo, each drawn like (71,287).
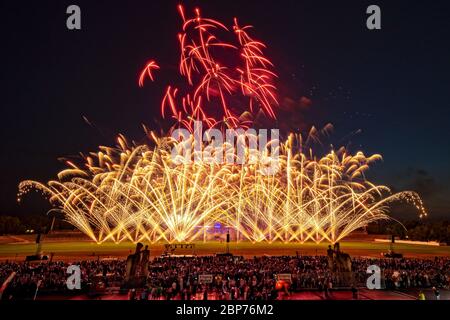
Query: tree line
(20,224)
(423,230)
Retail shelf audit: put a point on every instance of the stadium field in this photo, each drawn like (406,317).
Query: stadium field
(89,250)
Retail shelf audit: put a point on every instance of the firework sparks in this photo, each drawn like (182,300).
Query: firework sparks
(140,194)
(147,71)
(214,83)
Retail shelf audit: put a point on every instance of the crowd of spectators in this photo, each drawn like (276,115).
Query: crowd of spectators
(406,273)
(52,276)
(232,277)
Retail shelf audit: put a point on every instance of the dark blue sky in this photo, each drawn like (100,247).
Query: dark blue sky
(391,84)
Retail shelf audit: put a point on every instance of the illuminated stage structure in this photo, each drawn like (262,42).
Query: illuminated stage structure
(144,193)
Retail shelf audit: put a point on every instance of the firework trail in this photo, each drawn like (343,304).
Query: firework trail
(213,84)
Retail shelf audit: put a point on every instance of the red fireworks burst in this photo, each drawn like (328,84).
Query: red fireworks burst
(216,90)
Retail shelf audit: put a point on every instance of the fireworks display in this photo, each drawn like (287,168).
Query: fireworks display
(229,90)
(134,193)
(141,192)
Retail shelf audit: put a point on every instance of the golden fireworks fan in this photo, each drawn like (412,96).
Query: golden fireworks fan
(142,193)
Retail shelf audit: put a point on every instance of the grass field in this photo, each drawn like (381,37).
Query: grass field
(65,250)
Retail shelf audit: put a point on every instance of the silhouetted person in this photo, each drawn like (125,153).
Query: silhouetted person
(330,252)
(133,261)
(355,293)
(337,247)
(144,261)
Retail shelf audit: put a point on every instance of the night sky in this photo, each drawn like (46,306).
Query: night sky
(385,91)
